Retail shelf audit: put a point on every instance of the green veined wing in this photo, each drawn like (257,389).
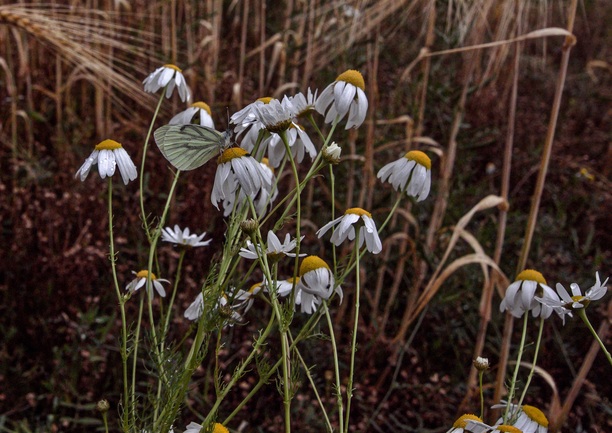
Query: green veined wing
(190,146)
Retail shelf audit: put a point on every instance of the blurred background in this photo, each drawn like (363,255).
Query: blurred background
(71,74)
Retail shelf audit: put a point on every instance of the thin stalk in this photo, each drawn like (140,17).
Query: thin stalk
(517,367)
(349,387)
(121,299)
(585,319)
(336,367)
(533,363)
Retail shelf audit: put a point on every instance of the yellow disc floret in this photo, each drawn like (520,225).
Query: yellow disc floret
(419,157)
(352,77)
(231,153)
(358,211)
(463,420)
(531,275)
(202,105)
(145,274)
(219,428)
(108,145)
(171,66)
(508,429)
(265,99)
(311,263)
(536,415)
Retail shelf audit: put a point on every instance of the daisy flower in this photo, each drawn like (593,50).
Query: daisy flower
(262,200)
(521,295)
(276,116)
(236,168)
(529,419)
(183,237)
(346,229)
(344,96)
(459,426)
(196,428)
(275,249)
(109,155)
(410,174)
(298,140)
(248,124)
(168,77)
(577,300)
(480,427)
(199,109)
(316,283)
(141,280)
(304,104)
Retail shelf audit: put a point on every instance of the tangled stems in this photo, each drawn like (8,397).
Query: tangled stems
(586,321)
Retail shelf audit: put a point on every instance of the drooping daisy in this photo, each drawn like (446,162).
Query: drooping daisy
(346,229)
(196,428)
(577,300)
(332,153)
(183,237)
(344,96)
(236,168)
(276,116)
(316,283)
(410,174)
(298,140)
(529,419)
(109,155)
(274,249)
(141,280)
(459,426)
(199,109)
(262,200)
(168,76)
(521,295)
(248,126)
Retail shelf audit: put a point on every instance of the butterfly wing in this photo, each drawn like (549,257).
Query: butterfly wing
(189,146)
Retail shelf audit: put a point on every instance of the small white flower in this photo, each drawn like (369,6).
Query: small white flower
(528,419)
(168,76)
(346,229)
(109,155)
(332,153)
(236,168)
(275,249)
(141,280)
(410,174)
(480,427)
(183,237)
(460,425)
(521,295)
(196,428)
(344,96)
(199,109)
(276,116)
(316,283)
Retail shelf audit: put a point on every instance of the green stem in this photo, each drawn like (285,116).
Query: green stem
(336,366)
(582,313)
(142,166)
(512,389)
(121,299)
(349,387)
(534,362)
(480,374)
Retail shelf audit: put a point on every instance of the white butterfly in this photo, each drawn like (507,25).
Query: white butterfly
(190,146)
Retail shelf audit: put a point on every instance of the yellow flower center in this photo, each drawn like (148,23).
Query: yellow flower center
(463,420)
(530,274)
(145,274)
(108,145)
(536,415)
(255,288)
(290,280)
(352,77)
(311,263)
(580,299)
(220,428)
(358,211)
(171,66)
(231,153)
(419,157)
(265,99)
(202,105)
(508,429)
(266,161)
